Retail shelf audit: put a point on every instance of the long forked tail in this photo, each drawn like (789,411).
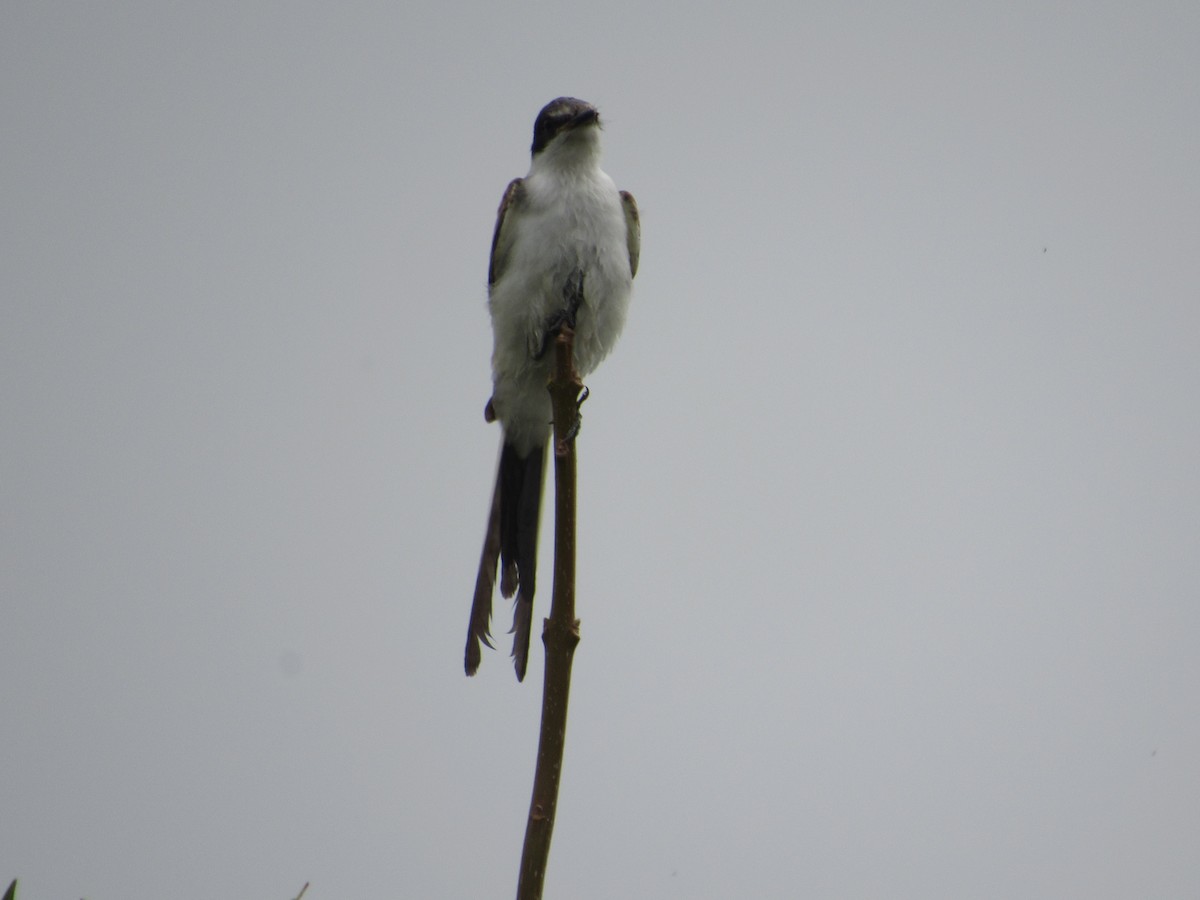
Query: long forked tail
(520,481)
(481,607)
(509,544)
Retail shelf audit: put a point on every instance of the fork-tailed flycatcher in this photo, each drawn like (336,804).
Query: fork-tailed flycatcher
(565,248)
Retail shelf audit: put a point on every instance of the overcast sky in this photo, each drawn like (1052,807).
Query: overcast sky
(889,561)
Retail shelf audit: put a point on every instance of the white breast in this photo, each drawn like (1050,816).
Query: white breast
(568,220)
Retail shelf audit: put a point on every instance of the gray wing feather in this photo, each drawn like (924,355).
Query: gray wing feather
(633,230)
(501,239)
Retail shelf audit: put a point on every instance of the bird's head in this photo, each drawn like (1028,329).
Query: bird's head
(566,128)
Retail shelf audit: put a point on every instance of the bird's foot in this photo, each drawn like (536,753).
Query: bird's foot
(577,425)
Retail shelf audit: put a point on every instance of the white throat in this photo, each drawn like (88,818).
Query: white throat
(578,149)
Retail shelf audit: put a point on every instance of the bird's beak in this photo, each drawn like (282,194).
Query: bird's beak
(585,117)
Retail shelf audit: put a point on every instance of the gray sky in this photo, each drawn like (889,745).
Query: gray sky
(889,503)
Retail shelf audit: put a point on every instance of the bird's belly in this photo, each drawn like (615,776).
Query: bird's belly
(554,246)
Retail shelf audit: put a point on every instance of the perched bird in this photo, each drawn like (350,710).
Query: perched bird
(565,249)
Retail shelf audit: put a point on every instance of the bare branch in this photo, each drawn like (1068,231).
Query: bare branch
(560,633)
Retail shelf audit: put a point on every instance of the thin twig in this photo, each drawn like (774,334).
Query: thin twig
(560,633)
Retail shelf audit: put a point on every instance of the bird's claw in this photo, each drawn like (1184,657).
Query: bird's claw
(577,425)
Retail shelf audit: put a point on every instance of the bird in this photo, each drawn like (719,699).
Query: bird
(565,249)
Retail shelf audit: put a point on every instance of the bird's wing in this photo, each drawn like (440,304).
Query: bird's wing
(501,238)
(633,230)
